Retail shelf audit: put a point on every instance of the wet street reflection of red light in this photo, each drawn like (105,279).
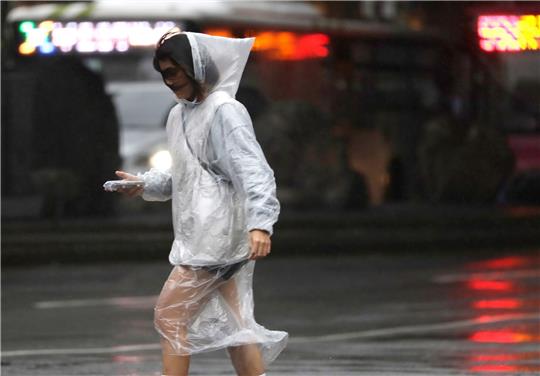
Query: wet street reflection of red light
(500,336)
(478,284)
(497,304)
(506,262)
(494,368)
(495,357)
(501,292)
(485,319)
(522,362)
(505,357)
(510,262)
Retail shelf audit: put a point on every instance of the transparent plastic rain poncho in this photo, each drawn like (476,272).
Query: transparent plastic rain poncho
(221,187)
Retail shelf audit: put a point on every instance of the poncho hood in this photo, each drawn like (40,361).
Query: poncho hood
(218,61)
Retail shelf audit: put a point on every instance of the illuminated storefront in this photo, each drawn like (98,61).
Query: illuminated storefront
(509,33)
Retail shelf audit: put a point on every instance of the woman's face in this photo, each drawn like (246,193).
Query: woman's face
(176,79)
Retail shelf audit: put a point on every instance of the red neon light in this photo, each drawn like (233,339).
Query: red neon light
(291,46)
(312,46)
(509,33)
(498,304)
(490,285)
(284,45)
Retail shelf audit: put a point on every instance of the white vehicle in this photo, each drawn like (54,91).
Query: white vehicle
(142,109)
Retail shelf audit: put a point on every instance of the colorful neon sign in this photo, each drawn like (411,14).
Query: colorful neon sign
(509,33)
(49,37)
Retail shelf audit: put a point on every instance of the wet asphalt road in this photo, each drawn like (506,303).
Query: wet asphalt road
(452,313)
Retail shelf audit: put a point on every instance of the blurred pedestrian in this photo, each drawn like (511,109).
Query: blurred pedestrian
(223,203)
(74,140)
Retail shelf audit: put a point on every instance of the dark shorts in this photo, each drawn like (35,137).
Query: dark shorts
(225,271)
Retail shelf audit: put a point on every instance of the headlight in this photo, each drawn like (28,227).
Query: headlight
(161,160)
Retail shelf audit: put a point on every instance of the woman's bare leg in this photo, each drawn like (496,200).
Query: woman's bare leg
(246,359)
(173,365)
(184,293)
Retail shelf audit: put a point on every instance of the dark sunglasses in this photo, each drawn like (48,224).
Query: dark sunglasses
(170,72)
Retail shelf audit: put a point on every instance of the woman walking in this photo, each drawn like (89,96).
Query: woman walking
(223,205)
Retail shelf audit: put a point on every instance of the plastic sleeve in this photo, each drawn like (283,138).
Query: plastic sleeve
(157,185)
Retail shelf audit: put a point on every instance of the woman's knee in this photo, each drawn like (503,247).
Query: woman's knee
(169,320)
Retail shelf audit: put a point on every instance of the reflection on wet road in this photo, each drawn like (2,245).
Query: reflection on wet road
(462,313)
(499,287)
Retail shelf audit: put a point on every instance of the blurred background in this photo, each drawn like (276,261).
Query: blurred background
(357,105)
(392,127)
(376,115)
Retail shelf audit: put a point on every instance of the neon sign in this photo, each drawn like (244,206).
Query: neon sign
(49,37)
(291,46)
(284,45)
(509,33)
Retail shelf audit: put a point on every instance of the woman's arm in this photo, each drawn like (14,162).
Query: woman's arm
(239,157)
(157,185)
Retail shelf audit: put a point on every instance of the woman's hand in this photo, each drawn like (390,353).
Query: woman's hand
(131,192)
(260,244)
